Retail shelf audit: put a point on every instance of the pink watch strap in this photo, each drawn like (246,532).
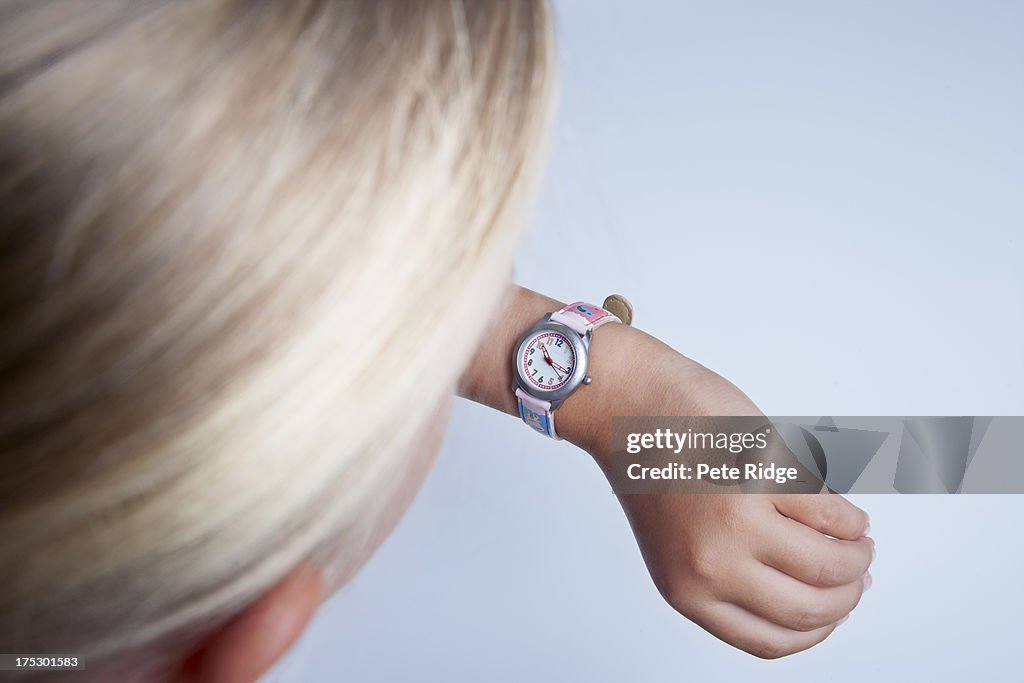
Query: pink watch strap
(583,317)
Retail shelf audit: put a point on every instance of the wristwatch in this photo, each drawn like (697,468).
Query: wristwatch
(550,361)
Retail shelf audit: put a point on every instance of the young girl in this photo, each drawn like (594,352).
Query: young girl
(250,250)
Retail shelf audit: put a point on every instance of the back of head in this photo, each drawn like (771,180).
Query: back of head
(245,250)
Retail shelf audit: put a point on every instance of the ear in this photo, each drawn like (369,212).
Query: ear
(248,645)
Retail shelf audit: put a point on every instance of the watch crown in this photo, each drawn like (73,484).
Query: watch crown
(587,380)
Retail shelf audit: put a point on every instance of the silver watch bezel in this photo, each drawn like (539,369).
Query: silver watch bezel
(580,346)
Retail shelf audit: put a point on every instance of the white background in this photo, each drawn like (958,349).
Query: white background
(822,201)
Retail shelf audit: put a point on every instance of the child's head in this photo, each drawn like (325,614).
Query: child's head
(246,248)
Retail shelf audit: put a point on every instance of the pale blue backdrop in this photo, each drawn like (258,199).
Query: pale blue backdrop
(846,177)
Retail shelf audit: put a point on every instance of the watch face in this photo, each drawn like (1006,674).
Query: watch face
(546,360)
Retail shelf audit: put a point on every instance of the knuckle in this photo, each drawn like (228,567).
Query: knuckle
(705,566)
(831,571)
(679,594)
(676,597)
(855,518)
(862,519)
(829,514)
(810,617)
(768,648)
(861,561)
(851,604)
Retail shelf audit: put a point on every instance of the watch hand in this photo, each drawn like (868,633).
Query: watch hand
(553,364)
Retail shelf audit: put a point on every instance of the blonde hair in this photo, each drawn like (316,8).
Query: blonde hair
(236,237)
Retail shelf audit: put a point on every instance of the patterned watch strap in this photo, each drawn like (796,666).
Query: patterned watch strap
(581,318)
(537,414)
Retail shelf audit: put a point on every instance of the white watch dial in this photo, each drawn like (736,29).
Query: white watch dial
(547,360)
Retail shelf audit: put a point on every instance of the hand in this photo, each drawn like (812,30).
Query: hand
(769,574)
(757,571)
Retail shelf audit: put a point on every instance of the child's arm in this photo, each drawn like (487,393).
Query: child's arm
(758,571)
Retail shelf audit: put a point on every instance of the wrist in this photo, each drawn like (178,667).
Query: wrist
(636,374)
(584,419)
(489,377)
(632,373)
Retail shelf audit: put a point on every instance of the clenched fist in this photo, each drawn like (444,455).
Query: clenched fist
(769,574)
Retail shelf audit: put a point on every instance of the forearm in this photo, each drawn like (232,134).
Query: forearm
(626,365)
(744,567)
